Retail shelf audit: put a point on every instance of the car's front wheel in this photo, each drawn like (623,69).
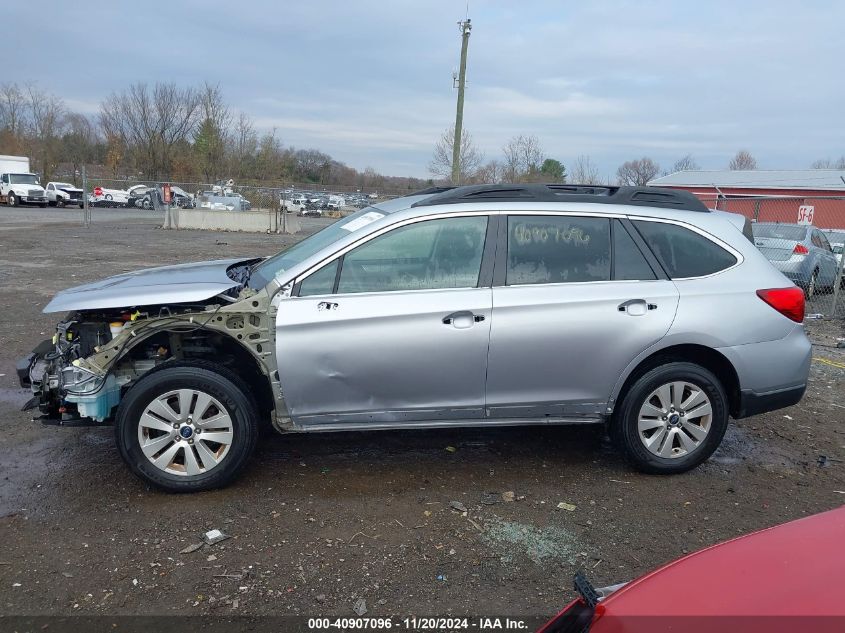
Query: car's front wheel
(671,419)
(187,427)
(11,200)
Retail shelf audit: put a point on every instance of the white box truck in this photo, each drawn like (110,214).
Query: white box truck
(18,185)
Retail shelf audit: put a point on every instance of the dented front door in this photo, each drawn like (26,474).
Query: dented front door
(391,357)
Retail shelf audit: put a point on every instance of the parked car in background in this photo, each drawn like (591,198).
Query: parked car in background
(105,197)
(60,194)
(837,243)
(246,205)
(292,204)
(137,196)
(178,198)
(800,252)
(785,578)
(468,306)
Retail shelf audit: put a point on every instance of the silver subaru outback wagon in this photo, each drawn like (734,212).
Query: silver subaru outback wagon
(634,308)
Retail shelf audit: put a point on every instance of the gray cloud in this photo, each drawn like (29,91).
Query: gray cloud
(370,82)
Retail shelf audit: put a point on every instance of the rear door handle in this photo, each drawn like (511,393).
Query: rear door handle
(462,319)
(636,307)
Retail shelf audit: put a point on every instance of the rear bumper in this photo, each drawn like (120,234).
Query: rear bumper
(751,403)
(772,374)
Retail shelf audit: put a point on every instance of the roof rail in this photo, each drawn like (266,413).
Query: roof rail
(429,191)
(637,196)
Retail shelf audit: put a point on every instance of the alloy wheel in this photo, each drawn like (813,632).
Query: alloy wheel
(675,419)
(185,432)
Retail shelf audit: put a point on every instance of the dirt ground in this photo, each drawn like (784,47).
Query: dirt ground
(321,521)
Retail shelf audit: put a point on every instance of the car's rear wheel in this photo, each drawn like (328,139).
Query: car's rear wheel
(810,291)
(671,419)
(187,428)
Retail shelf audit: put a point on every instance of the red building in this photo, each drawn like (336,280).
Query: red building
(768,195)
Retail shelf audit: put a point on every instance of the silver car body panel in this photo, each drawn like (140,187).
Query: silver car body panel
(383,357)
(182,283)
(556,349)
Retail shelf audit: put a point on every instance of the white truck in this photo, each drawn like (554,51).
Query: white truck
(60,194)
(18,185)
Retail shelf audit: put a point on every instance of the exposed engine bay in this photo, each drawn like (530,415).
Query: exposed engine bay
(79,375)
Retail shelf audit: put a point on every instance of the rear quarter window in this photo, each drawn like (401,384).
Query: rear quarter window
(682,252)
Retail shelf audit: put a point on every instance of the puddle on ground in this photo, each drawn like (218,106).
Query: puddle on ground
(740,446)
(540,545)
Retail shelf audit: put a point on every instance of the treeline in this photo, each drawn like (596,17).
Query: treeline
(165,131)
(523,159)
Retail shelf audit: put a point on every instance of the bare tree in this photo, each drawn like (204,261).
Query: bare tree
(441,160)
(12,118)
(827,163)
(686,163)
(152,123)
(46,119)
(523,158)
(490,172)
(743,160)
(243,144)
(637,172)
(79,143)
(212,134)
(585,172)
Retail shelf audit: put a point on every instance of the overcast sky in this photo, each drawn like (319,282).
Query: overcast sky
(371,82)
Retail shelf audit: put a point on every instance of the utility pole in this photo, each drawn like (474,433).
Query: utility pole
(465,26)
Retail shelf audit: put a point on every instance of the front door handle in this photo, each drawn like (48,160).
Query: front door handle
(326,305)
(462,319)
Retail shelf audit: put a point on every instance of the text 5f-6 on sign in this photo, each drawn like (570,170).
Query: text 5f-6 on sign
(805,214)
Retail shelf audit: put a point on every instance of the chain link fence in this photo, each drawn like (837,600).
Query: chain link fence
(105,192)
(272,201)
(803,238)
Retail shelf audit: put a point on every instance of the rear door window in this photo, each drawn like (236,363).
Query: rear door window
(546,249)
(683,252)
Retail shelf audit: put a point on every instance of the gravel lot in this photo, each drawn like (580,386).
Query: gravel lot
(320,521)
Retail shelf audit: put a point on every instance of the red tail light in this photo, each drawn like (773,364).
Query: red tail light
(800,249)
(788,301)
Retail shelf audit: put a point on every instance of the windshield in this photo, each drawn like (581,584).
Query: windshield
(64,185)
(298,253)
(779,231)
(23,179)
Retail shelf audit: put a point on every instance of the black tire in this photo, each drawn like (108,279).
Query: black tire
(11,200)
(812,285)
(211,379)
(624,426)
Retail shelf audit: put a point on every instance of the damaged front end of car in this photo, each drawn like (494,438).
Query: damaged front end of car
(79,376)
(68,386)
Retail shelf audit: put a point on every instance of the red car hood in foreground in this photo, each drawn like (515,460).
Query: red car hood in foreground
(789,577)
